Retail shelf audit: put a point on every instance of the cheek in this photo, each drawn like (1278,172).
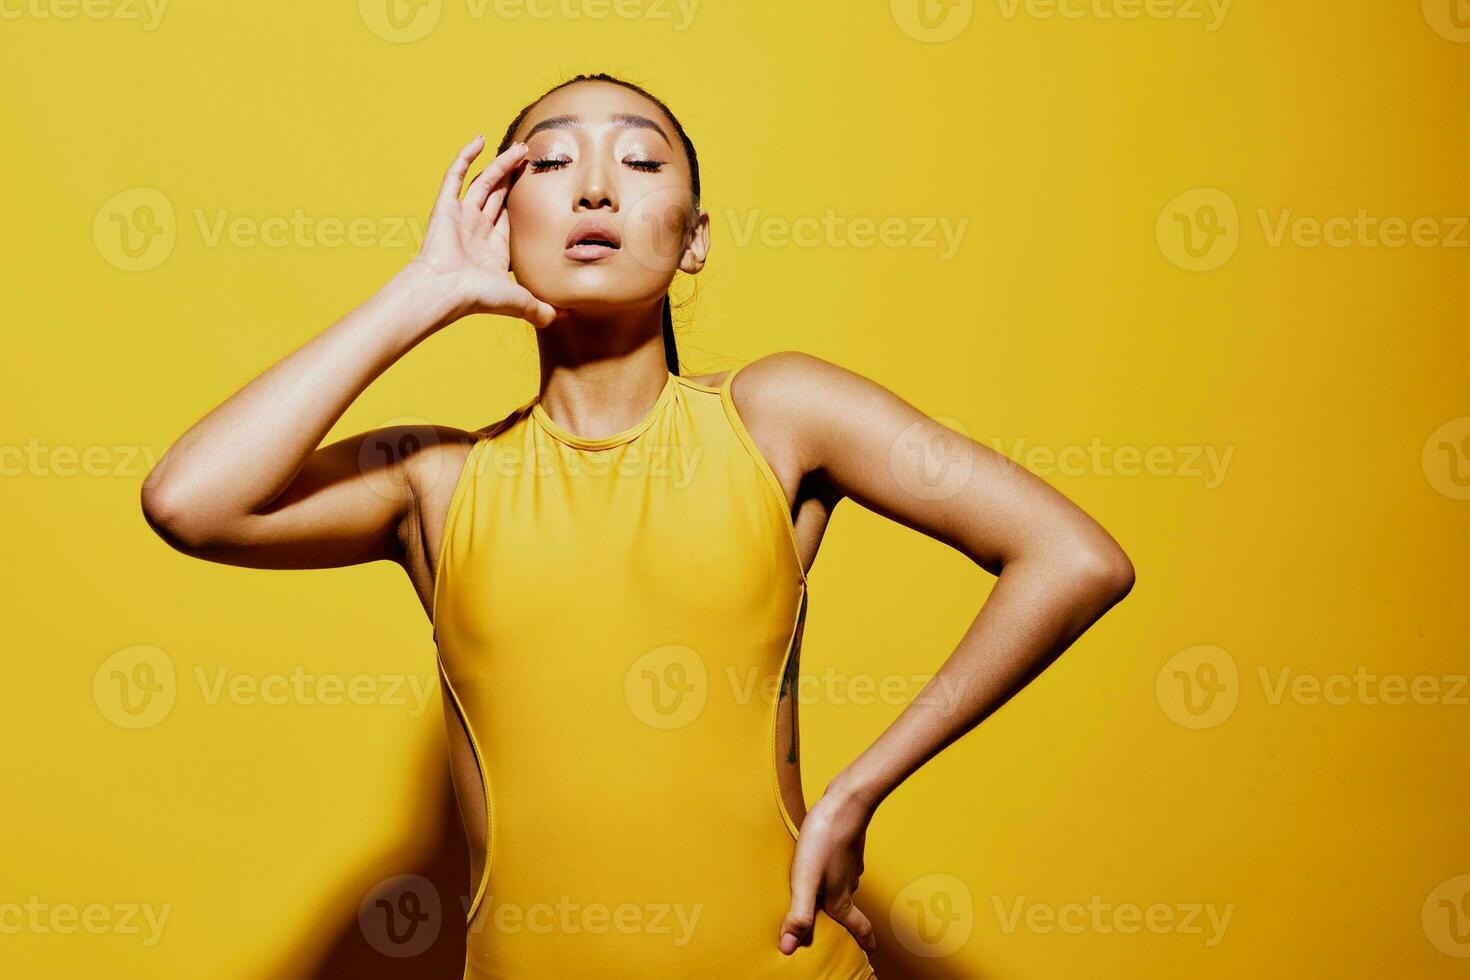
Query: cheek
(532,225)
(530,213)
(655,226)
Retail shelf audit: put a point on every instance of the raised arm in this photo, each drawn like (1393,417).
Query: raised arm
(247,485)
(1058,569)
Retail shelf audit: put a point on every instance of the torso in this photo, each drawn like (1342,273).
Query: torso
(574,609)
(433,473)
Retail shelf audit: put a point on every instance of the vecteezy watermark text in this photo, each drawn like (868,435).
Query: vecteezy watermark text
(838,231)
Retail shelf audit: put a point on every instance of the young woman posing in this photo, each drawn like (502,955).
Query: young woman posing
(598,563)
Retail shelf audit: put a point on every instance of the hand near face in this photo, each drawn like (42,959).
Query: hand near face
(467,243)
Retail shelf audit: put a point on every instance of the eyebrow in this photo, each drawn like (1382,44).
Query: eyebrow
(629,119)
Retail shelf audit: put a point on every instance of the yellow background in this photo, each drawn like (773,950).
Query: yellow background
(1334,540)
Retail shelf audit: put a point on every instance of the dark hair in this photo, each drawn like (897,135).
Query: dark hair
(671,351)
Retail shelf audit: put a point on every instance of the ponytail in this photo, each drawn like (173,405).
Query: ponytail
(671,350)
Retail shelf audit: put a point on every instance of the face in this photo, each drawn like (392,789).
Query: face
(605,169)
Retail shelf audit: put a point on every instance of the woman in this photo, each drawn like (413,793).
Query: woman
(601,562)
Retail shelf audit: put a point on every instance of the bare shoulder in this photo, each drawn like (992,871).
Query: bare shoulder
(433,456)
(799,386)
(432,459)
(436,454)
(788,398)
(782,379)
(795,377)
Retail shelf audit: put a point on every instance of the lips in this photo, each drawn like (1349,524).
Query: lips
(594,233)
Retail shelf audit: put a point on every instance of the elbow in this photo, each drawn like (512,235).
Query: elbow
(170,517)
(1105,573)
(1123,576)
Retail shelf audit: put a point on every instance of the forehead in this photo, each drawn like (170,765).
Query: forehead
(595,102)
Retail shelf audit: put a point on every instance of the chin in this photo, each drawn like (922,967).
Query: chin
(597,288)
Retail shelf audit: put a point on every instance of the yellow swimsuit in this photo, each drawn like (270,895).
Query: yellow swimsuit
(615,618)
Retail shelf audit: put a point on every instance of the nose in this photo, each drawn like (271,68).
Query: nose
(595,191)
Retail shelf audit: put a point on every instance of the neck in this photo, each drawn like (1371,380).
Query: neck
(601,373)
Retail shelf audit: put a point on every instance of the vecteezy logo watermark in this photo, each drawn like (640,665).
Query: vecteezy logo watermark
(932,21)
(1362,686)
(1198,687)
(834,231)
(933,915)
(1204,919)
(1450,19)
(1446,458)
(838,687)
(95,918)
(1201,686)
(936,21)
(667,687)
(1210,13)
(1200,229)
(299,687)
(1205,463)
(670,686)
(1446,916)
(385,449)
(1363,230)
(401,916)
(38,460)
(932,459)
(136,230)
(406,21)
(675,920)
(400,21)
(147,13)
(137,687)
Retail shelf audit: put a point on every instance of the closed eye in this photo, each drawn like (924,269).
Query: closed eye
(556,163)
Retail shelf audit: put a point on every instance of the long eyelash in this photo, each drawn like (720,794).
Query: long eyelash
(648,166)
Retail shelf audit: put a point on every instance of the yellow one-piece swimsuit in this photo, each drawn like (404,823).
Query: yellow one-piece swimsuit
(618,620)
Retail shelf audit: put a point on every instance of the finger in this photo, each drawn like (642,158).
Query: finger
(501,190)
(491,176)
(500,233)
(857,924)
(796,928)
(548,315)
(526,306)
(454,176)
